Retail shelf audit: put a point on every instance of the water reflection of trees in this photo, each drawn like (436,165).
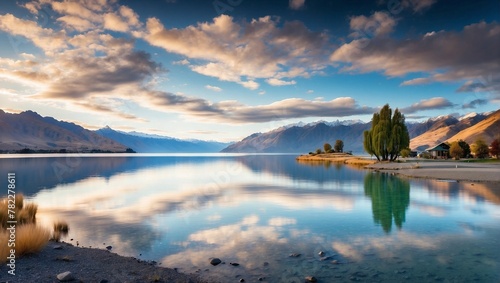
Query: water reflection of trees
(390,198)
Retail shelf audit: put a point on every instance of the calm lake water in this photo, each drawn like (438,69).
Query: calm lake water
(257,210)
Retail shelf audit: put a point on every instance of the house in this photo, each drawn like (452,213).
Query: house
(439,151)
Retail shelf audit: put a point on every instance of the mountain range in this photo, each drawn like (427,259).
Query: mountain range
(300,138)
(141,142)
(30,130)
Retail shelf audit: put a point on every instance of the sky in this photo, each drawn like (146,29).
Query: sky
(224,69)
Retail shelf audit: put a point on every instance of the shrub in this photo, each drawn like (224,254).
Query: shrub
(405,152)
(425,155)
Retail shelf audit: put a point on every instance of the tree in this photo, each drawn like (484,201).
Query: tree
(480,149)
(456,151)
(405,152)
(387,136)
(339,146)
(327,147)
(318,151)
(495,148)
(465,147)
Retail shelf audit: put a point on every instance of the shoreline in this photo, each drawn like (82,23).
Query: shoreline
(442,170)
(336,158)
(89,265)
(416,168)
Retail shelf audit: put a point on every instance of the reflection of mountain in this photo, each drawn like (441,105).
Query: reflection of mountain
(286,165)
(390,198)
(35,174)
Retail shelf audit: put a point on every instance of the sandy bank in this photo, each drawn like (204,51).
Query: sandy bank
(88,265)
(443,170)
(336,158)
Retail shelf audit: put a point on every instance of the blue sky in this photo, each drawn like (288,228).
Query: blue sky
(224,69)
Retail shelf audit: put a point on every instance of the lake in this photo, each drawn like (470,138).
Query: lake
(340,223)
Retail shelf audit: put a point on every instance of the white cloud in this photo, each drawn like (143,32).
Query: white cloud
(428,104)
(296,4)
(181,62)
(277,82)
(213,88)
(76,23)
(250,85)
(114,22)
(47,39)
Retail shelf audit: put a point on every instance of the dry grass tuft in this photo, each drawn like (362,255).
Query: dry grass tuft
(31,238)
(19,201)
(25,213)
(28,214)
(4,249)
(61,228)
(3,213)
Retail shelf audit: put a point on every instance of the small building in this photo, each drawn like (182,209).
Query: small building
(439,151)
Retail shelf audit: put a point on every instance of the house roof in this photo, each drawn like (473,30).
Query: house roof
(440,147)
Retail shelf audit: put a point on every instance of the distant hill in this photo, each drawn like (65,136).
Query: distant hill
(30,130)
(145,143)
(302,138)
(486,129)
(299,139)
(448,129)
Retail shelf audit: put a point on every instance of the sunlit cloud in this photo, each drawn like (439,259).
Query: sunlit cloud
(427,54)
(428,104)
(296,4)
(243,52)
(380,23)
(417,6)
(213,88)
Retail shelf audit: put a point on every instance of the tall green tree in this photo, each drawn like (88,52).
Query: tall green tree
(339,146)
(456,151)
(465,147)
(387,136)
(327,147)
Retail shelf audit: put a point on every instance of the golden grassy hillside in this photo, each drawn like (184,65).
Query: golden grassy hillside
(486,129)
